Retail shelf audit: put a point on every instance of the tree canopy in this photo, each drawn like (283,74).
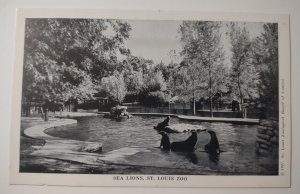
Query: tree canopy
(202,57)
(65,58)
(244,76)
(68,60)
(266,62)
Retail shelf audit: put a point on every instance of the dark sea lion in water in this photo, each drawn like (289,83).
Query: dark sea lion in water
(162,125)
(165,141)
(213,146)
(187,145)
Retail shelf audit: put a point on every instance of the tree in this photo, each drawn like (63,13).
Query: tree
(115,87)
(154,89)
(202,55)
(266,62)
(139,64)
(65,59)
(244,76)
(134,84)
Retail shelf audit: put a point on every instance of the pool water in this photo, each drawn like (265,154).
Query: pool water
(237,143)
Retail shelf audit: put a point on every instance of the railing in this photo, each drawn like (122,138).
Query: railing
(203,113)
(159,110)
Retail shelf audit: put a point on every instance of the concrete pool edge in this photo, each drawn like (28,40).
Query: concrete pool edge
(37,131)
(61,148)
(247,121)
(197,118)
(75,115)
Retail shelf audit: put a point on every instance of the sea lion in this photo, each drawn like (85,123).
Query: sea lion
(213,146)
(162,125)
(165,141)
(187,145)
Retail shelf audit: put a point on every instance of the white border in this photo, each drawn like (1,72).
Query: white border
(283,180)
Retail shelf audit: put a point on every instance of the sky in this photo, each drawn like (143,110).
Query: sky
(155,39)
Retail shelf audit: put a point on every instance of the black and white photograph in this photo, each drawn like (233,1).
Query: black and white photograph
(151,100)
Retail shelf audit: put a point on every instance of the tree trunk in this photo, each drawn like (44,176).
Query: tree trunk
(194,107)
(75,103)
(27,109)
(46,115)
(42,112)
(210,95)
(240,91)
(45,110)
(211,107)
(194,101)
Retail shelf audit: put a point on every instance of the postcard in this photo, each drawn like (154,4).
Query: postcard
(151,99)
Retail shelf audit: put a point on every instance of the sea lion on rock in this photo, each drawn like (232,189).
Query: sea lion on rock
(187,145)
(165,141)
(213,146)
(162,125)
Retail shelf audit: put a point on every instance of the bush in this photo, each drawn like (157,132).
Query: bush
(153,99)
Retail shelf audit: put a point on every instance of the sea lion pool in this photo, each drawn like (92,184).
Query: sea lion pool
(135,143)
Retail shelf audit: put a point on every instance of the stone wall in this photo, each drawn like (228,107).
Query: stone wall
(267,137)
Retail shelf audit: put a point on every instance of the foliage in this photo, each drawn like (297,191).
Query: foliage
(202,57)
(154,90)
(139,64)
(134,81)
(266,62)
(154,81)
(154,99)
(115,87)
(67,58)
(244,76)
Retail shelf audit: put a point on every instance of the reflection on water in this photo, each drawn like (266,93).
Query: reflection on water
(193,158)
(214,157)
(237,143)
